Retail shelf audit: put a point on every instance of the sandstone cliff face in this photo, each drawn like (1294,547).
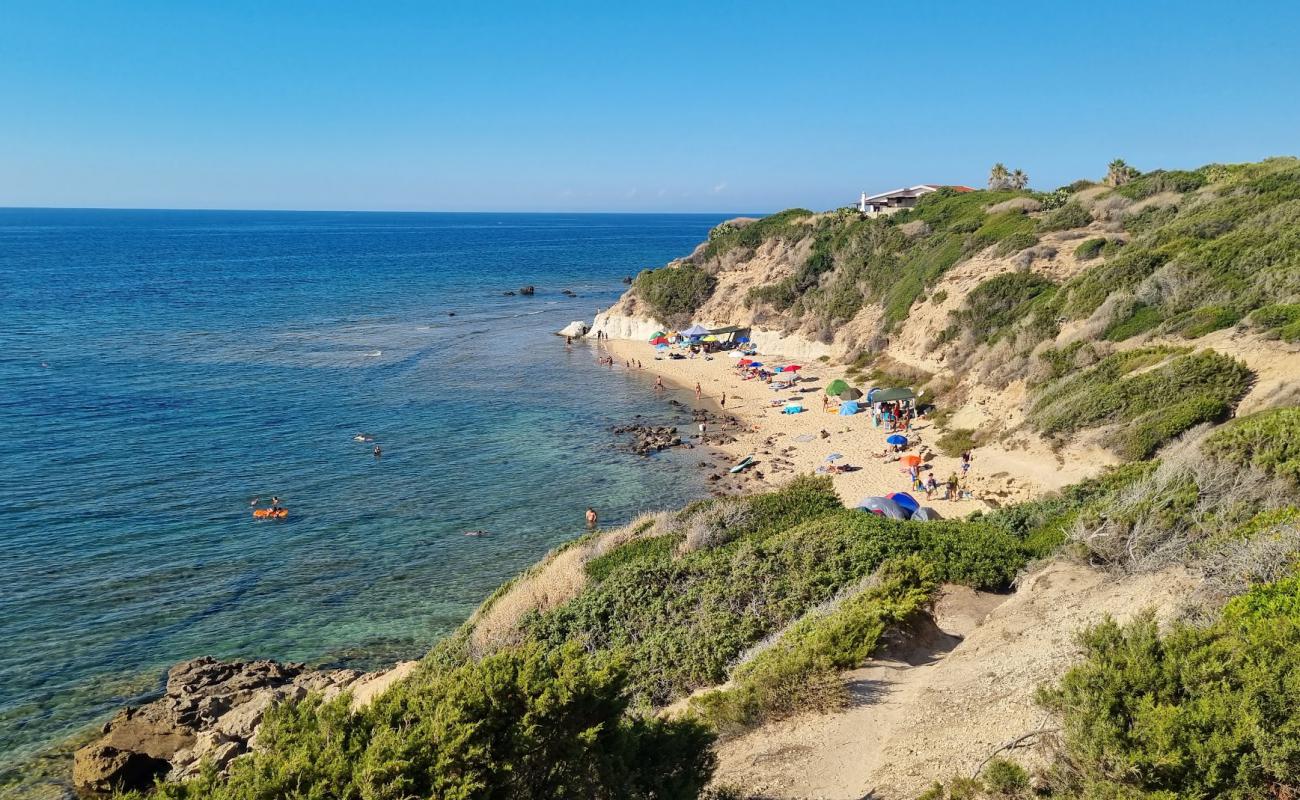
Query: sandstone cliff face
(210,710)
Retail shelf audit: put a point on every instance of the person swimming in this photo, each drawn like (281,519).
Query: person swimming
(378,451)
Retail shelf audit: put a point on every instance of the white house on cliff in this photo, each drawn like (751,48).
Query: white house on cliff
(891,201)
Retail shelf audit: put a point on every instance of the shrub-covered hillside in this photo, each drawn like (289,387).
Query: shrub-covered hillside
(1183,253)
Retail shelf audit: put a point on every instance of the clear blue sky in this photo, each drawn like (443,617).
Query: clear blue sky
(657,106)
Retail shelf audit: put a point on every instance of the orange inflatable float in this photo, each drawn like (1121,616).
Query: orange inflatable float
(270,513)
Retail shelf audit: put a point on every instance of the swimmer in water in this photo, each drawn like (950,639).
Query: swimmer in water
(378,452)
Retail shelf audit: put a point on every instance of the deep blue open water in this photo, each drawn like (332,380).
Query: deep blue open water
(158,370)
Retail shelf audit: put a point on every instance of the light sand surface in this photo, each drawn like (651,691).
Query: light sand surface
(786,445)
(938,704)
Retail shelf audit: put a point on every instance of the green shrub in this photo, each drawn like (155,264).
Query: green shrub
(1148,432)
(1201,712)
(1282,320)
(1067,217)
(1015,243)
(1139,319)
(998,302)
(956,441)
(1000,227)
(1206,319)
(1089,249)
(800,671)
(1268,441)
(674,293)
(1114,391)
(1003,778)
(938,297)
(521,724)
(1158,181)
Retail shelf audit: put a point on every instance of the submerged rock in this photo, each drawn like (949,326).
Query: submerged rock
(528,291)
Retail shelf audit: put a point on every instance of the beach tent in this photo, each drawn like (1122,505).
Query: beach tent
(897,438)
(905,501)
(925,514)
(890,395)
(883,506)
(836,386)
(656,335)
(850,394)
(696,330)
(659,340)
(575,328)
(848,408)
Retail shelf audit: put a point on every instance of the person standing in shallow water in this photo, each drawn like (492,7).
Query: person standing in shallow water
(698,391)
(592,519)
(659,384)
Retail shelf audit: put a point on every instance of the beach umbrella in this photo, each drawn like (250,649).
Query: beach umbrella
(910,461)
(779,369)
(792,367)
(744,362)
(661,347)
(897,438)
(834,457)
(836,386)
(710,338)
(850,394)
(743,340)
(756,363)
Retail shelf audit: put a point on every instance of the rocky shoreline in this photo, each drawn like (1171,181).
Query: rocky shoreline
(210,711)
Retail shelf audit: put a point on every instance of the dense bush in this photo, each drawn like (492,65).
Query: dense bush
(1067,217)
(1201,712)
(800,670)
(1089,249)
(1127,385)
(997,302)
(519,724)
(1268,441)
(679,619)
(674,293)
(1148,432)
(1280,319)
(1139,318)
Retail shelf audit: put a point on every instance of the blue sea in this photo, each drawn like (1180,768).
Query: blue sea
(161,369)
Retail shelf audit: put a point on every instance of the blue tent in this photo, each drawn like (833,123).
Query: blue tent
(905,501)
(848,408)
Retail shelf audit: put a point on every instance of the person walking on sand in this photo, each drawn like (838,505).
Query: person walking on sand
(965,462)
(699,392)
(591,517)
(723,402)
(931,486)
(952,487)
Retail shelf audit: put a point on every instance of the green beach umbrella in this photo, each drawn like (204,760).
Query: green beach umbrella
(837,386)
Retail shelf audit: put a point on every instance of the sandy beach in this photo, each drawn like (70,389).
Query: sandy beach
(786,445)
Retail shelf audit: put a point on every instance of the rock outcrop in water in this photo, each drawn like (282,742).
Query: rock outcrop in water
(210,710)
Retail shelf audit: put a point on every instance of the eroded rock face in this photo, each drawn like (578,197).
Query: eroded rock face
(211,709)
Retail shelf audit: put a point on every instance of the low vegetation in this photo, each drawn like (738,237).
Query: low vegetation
(674,293)
(1268,441)
(1149,395)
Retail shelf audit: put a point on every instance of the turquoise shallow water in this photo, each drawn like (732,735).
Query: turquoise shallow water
(160,369)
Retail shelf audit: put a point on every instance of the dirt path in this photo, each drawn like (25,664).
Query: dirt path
(937,705)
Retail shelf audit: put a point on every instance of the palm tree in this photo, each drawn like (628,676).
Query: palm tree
(998,176)
(1018,179)
(1120,173)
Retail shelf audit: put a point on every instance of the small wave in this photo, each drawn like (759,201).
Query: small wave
(375,354)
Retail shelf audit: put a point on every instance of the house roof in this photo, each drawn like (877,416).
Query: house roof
(915,191)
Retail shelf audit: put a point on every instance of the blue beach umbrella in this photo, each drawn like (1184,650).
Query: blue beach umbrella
(661,347)
(834,457)
(897,439)
(755,364)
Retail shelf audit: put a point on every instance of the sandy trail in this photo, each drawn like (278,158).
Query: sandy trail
(939,703)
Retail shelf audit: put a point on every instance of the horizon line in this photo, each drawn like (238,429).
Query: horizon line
(364,211)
